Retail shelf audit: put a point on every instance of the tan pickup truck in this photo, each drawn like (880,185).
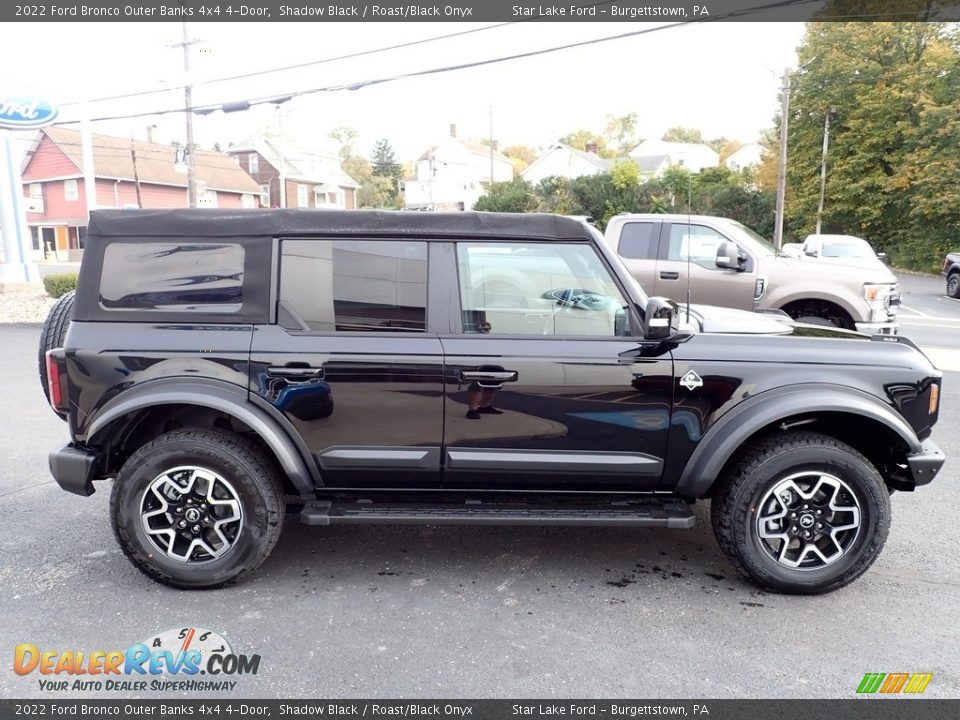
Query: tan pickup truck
(732,266)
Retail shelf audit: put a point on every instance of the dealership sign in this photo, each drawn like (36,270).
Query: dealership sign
(23,111)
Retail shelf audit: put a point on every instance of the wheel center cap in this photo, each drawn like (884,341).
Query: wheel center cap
(807,520)
(193,514)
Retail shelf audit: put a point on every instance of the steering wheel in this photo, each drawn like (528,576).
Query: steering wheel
(570,299)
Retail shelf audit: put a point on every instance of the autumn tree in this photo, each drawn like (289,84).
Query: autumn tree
(683,135)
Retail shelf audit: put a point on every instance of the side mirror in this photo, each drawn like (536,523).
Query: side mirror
(810,253)
(661,319)
(728,256)
(882,257)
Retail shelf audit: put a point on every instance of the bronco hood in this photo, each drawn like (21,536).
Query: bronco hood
(713,319)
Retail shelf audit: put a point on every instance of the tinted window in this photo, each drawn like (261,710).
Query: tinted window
(538,289)
(637,241)
(198,277)
(350,286)
(697,242)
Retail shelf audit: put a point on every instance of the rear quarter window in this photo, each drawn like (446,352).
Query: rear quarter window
(173,277)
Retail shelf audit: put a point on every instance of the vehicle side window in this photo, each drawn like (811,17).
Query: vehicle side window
(538,289)
(638,241)
(173,277)
(697,241)
(353,285)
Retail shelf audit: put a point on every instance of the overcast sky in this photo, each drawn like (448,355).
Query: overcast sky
(721,78)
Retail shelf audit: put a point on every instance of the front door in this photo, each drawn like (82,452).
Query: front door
(350,363)
(548,386)
(688,263)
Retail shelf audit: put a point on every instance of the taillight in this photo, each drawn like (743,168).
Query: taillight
(53,381)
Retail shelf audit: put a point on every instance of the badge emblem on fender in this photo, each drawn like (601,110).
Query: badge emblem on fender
(691,380)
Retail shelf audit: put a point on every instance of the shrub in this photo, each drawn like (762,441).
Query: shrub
(60,284)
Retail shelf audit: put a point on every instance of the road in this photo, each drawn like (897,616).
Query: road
(930,318)
(476,612)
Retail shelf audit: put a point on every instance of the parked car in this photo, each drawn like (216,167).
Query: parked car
(718,261)
(839,249)
(198,362)
(951,271)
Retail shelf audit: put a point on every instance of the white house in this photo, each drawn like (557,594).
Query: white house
(453,174)
(750,155)
(564,161)
(692,156)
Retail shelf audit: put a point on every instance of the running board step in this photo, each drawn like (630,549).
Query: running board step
(671,514)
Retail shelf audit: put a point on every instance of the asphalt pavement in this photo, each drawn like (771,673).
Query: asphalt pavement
(419,612)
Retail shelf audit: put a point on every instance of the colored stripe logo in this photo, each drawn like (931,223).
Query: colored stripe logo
(893,683)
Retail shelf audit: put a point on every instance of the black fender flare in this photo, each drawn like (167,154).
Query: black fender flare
(274,430)
(733,429)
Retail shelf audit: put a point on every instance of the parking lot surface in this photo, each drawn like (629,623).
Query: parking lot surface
(475,612)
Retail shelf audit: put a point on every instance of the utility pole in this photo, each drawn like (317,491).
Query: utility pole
(782,171)
(188,108)
(823,166)
(491,145)
(283,161)
(136,174)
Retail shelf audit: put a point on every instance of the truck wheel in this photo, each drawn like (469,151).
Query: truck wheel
(197,508)
(801,513)
(52,335)
(953,285)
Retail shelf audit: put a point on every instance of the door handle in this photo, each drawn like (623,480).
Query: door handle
(489,378)
(295,373)
(668,275)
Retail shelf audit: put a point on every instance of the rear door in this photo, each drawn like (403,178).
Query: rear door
(351,364)
(689,249)
(548,386)
(638,246)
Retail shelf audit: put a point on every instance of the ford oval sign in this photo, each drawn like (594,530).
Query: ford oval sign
(25,112)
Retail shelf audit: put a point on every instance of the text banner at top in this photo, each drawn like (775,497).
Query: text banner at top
(482,11)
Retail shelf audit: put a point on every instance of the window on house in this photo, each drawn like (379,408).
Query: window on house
(247,201)
(36,190)
(253,163)
(365,286)
(70,191)
(207,198)
(35,237)
(265,195)
(302,196)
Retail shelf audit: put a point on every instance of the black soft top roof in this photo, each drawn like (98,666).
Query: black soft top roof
(202,222)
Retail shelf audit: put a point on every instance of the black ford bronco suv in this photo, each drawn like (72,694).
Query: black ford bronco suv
(227,368)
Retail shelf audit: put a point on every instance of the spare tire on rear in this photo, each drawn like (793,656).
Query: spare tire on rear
(53,333)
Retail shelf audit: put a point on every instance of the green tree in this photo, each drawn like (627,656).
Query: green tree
(621,133)
(682,134)
(515,196)
(345,137)
(385,163)
(579,139)
(891,90)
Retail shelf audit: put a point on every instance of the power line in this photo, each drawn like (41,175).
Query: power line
(298,66)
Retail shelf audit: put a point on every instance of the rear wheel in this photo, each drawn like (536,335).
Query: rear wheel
(52,335)
(802,513)
(197,508)
(953,285)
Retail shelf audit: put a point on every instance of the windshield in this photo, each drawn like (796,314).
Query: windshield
(759,239)
(853,247)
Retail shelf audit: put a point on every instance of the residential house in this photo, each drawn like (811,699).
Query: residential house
(652,166)
(561,160)
(313,178)
(453,174)
(692,156)
(750,155)
(127,173)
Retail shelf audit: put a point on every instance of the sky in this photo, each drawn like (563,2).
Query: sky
(720,78)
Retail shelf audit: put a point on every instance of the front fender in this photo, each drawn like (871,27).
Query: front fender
(231,400)
(737,426)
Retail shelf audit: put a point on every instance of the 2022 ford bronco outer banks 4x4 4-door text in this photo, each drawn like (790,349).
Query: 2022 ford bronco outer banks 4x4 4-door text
(225,367)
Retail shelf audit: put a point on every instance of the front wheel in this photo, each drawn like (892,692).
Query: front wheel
(953,285)
(197,508)
(801,513)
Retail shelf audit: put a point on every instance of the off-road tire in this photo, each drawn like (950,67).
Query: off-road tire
(52,335)
(953,285)
(249,471)
(734,508)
